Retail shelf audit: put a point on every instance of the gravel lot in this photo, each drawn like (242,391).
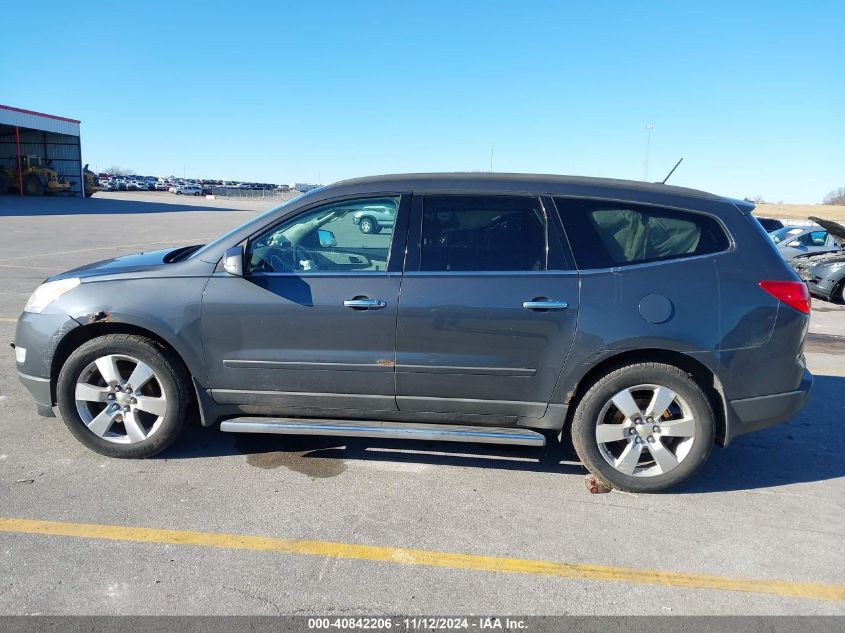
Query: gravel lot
(769,507)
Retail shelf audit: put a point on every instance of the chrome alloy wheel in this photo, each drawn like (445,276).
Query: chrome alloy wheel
(645,430)
(120,399)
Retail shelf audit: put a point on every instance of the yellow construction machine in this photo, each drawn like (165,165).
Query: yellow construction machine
(36,177)
(92,183)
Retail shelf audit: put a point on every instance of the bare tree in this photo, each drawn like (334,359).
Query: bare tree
(758,199)
(837,196)
(119,172)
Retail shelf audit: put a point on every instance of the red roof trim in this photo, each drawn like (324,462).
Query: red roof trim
(46,116)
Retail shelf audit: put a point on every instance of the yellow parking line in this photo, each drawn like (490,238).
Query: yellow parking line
(405,556)
(8,320)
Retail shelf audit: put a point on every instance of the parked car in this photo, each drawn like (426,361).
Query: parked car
(793,241)
(373,219)
(161,186)
(824,271)
(647,321)
(770,224)
(188,190)
(282,188)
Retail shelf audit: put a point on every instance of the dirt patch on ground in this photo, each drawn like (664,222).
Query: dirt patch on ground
(825,344)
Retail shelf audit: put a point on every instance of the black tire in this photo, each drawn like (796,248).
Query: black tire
(4,184)
(32,186)
(603,389)
(368,225)
(838,293)
(169,372)
(178,193)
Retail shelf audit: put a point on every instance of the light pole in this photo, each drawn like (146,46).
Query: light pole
(649,127)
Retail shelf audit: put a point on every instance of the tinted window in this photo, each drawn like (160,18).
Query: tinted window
(482,233)
(334,237)
(607,234)
(816,238)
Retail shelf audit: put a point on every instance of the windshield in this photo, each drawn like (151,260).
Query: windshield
(254,221)
(781,234)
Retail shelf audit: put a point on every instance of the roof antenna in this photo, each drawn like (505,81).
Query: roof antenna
(663,182)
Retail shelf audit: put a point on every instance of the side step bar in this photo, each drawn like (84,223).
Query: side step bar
(394,430)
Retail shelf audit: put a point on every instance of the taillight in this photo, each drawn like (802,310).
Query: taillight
(792,293)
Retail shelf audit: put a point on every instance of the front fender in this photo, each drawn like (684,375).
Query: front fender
(169,308)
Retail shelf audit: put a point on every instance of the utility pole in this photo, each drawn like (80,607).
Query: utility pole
(649,127)
(491,158)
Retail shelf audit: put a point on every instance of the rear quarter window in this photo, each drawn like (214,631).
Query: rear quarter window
(609,234)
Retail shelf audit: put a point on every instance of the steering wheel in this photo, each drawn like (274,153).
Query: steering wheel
(289,259)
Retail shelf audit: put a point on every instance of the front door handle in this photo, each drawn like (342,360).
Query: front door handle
(365,304)
(545,304)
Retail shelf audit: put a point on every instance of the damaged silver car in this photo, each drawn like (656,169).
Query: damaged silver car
(825,272)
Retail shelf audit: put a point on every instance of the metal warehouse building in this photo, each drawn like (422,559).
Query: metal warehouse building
(53,139)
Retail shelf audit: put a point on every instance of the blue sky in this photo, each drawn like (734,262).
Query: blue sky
(750,94)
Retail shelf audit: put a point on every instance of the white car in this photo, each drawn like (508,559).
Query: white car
(372,219)
(188,190)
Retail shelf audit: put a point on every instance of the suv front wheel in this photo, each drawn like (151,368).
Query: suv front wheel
(123,395)
(643,427)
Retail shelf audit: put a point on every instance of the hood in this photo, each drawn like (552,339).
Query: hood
(146,261)
(834,228)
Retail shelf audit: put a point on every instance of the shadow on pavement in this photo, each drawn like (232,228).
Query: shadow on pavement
(16,206)
(802,451)
(807,449)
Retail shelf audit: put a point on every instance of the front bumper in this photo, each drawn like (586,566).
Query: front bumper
(41,392)
(753,414)
(40,335)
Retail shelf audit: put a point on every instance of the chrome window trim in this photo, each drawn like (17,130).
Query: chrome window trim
(321,273)
(490,273)
(660,262)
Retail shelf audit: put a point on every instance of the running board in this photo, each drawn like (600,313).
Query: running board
(394,430)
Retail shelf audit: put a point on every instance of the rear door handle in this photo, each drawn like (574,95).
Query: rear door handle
(545,304)
(365,304)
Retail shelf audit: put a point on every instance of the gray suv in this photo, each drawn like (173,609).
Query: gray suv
(646,321)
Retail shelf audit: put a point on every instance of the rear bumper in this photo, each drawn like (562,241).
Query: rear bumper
(753,414)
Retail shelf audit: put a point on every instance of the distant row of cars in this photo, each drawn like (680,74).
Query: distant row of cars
(151,183)
(816,252)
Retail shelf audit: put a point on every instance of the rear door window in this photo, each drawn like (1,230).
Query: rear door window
(482,233)
(609,234)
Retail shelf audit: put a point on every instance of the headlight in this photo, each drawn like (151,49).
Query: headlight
(47,293)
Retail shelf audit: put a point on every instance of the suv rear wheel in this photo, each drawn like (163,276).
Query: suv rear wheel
(643,427)
(123,395)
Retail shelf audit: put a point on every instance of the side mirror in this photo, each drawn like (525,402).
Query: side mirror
(233,261)
(794,243)
(327,238)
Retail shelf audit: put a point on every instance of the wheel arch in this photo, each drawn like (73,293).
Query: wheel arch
(700,372)
(84,333)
